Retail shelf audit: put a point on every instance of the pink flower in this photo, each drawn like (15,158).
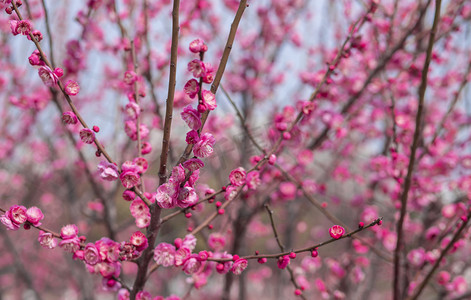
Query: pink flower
(108,171)
(35,59)
(37,35)
(47,240)
(164,254)
(91,255)
(8,223)
(208,101)
(69,231)
(70,245)
(189,242)
(336,231)
(23,27)
(129,179)
(193,164)
(35,215)
(283,261)
(443,277)
(87,136)
(237,176)
(230,193)
(239,266)
(191,88)
(191,117)
(192,137)
(288,190)
(48,76)
(130,77)
(17,214)
(139,240)
(223,268)
(131,130)
(72,87)
(197,46)
(123,294)
(132,110)
(166,196)
(146,148)
(141,164)
(192,265)
(196,66)
(138,208)
(143,295)
(416,257)
(204,147)
(253,180)
(143,221)
(69,117)
(181,255)
(187,197)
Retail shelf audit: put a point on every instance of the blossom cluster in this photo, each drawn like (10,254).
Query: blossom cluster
(18,215)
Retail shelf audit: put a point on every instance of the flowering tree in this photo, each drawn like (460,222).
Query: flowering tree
(235,150)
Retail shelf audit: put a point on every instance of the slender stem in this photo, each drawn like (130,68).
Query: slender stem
(171,93)
(427,278)
(407,183)
(282,247)
(220,70)
(305,249)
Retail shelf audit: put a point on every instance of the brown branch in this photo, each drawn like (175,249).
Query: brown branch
(282,248)
(219,72)
(427,278)
(171,93)
(415,143)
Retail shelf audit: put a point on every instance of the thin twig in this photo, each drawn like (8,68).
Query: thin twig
(220,71)
(415,143)
(171,93)
(427,278)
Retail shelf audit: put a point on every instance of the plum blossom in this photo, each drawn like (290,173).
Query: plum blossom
(193,164)
(181,255)
(192,264)
(139,240)
(23,27)
(69,117)
(108,171)
(132,110)
(87,136)
(48,76)
(69,231)
(71,87)
(34,216)
(129,176)
(197,46)
(237,176)
(191,117)
(192,137)
(336,231)
(191,88)
(8,223)
(204,147)
(47,240)
(17,214)
(283,261)
(239,266)
(187,197)
(164,254)
(253,180)
(70,245)
(208,101)
(91,255)
(196,67)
